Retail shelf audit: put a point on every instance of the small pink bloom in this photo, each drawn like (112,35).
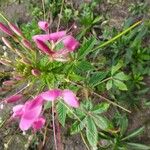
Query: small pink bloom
(35,72)
(70,43)
(5,29)
(38,124)
(43,47)
(6,42)
(26,43)
(15,29)
(43,25)
(70,98)
(13,98)
(9,82)
(51,95)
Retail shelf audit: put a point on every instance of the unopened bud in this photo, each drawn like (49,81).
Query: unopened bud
(35,72)
(25,61)
(15,29)
(13,98)
(5,29)
(26,43)
(9,82)
(6,42)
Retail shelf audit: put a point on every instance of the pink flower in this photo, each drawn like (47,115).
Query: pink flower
(13,98)
(43,25)
(5,29)
(15,29)
(68,96)
(29,113)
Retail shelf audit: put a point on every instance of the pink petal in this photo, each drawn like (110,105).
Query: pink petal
(43,47)
(15,29)
(51,95)
(5,29)
(18,110)
(70,43)
(39,123)
(36,102)
(70,98)
(13,98)
(43,25)
(25,124)
(41,37)
(57,35)
(29,116)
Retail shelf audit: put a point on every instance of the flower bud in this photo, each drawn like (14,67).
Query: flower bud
(5,29)
(9,82)
(15,29)
(13,98)
(35,72)
(6,42)
(43,25)
(26,43)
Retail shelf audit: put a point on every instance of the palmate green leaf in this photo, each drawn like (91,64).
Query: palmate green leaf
(96,78)
(115,68)
(123,125)
(62,112)
(91,132)
(134,134)
(100,108)
(137,146)
(83,66)
(121,76)
(78,126)
(120,85)
(109,84)
(102,122)
(86,47)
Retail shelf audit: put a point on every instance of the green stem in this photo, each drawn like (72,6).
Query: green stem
(117,36)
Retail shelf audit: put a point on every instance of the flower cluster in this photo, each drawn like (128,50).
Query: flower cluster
(53,39)
(30,113)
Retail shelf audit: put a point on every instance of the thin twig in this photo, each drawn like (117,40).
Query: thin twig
(84,141)
(62,4)
(54,128)
(102,97)
(43,5)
